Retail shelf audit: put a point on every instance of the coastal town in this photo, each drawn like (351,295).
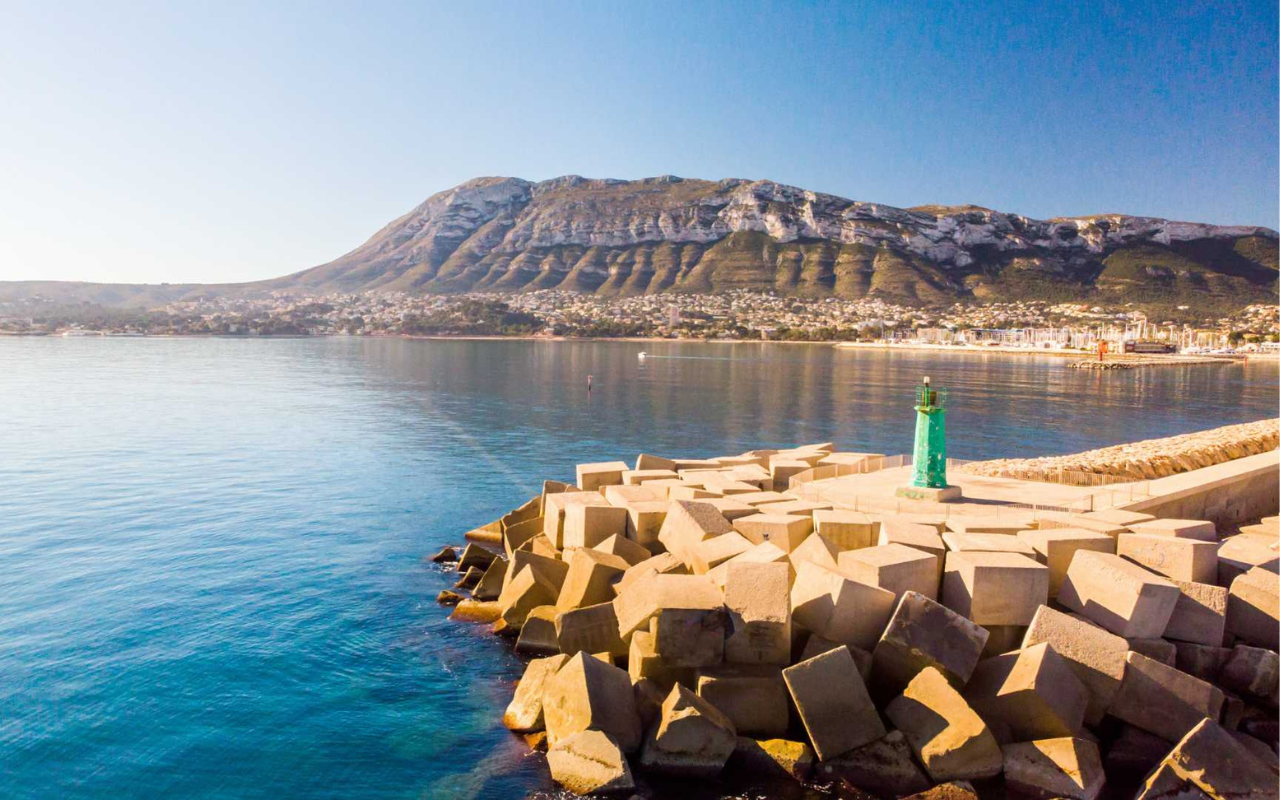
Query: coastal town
(735,315)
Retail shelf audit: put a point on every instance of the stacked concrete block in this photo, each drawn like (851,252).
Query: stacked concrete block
(817,549)
(624,548)
(946,734)
(524,713)
(639,602)
(1120,596)
(711,553)
(1239,554)
(753,697)
(994,588)
(592,477)
(986,543)
(689,637)
(631,493)
(1003,526)
(766,553)
(644,664)
(687,523)
(757,596)
(1200,615)
(661,564)
(895,530)
(554,512)
(730,508)
(590,579)
(692,738)
(637,477)
(787,531)
(1163,700)
(1062,767)
(1028,694)
(1170,556)
(589,525)
(1209,762)
(538,633)
(803,508)
(1253,608)
(893,567)
(833,703)
(850,530)
(839,608)
(1201,530)
(762,498)
(590,762)
(1118,516)
(921,634)
(1095,655)
(588,694)
(590,629)
(1055,547)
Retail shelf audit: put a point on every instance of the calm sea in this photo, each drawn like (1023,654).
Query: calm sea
(211,577)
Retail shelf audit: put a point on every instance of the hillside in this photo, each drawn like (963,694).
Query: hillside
(613,237)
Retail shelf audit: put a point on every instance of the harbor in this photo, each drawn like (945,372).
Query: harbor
(873,625)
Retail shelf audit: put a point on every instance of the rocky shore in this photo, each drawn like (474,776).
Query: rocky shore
(1145,460)
(689,620)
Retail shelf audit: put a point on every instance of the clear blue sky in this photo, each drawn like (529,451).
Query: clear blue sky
(222,141)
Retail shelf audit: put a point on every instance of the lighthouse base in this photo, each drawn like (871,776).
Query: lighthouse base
(945,494)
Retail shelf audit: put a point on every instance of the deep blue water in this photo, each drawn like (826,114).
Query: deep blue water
(210,549)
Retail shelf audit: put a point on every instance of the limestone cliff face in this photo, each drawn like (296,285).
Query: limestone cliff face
(669,234)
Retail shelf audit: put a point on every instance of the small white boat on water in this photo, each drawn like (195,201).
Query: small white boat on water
(642,355)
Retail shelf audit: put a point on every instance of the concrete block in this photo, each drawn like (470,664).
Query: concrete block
(525,592)
(593,629)
(946,734)
(923,633)
(1202,530)
(753,697)
(893,567)
(683,464)
(1000,526)
(1063,767)
(762,498)
(476,611)
(592,477)
(1200,615)
(626,549)
(632,493)
(922,537)
(819,550)
(767,553)
(551,569)
(1209,762)
(1253,673)
(1239,554)
(1055,547)
(687,523)
(540,545)
(849,530)
(524,713)
(1028,694)
(644,664)
(477,557)
(758,599)
(689,637)
(1118,595)
(730,508)
(1136,752)
(787,531)
(644,522)
(816,645)
(590,762)
(883,768)
(778,758)
(1088,522)
(1118,516)
(590,579)
(516,535)
(490,584)
(1178,559)
(847,459)
(1155,649)
(538,634)
(692,739)
(554,511)
(782,470)
(838,608)
(647,461)
(688,492)
(833,703)
(799,508)
(987,543)
(1201,661)
(1163,700)
(994,588)
(1096,656)
(588,694)
(638,477)
(1253,608)
(729,487)
(1003,639)
(638,602)
(664,564)
(589,525)
(711,553)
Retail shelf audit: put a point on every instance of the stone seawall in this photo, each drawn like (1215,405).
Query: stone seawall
(1145,460)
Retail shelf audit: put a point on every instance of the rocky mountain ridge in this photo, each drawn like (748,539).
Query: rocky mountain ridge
(673,234)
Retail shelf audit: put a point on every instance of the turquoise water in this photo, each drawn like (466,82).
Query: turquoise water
(212,582)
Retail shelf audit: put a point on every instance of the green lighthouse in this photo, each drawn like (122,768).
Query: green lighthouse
(929,467)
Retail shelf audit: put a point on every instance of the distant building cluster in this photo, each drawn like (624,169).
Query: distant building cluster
(731,315)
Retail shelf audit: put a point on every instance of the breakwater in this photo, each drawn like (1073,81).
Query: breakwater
(1145,460)
(691,620)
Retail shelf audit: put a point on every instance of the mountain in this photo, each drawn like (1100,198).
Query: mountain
(613,237)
